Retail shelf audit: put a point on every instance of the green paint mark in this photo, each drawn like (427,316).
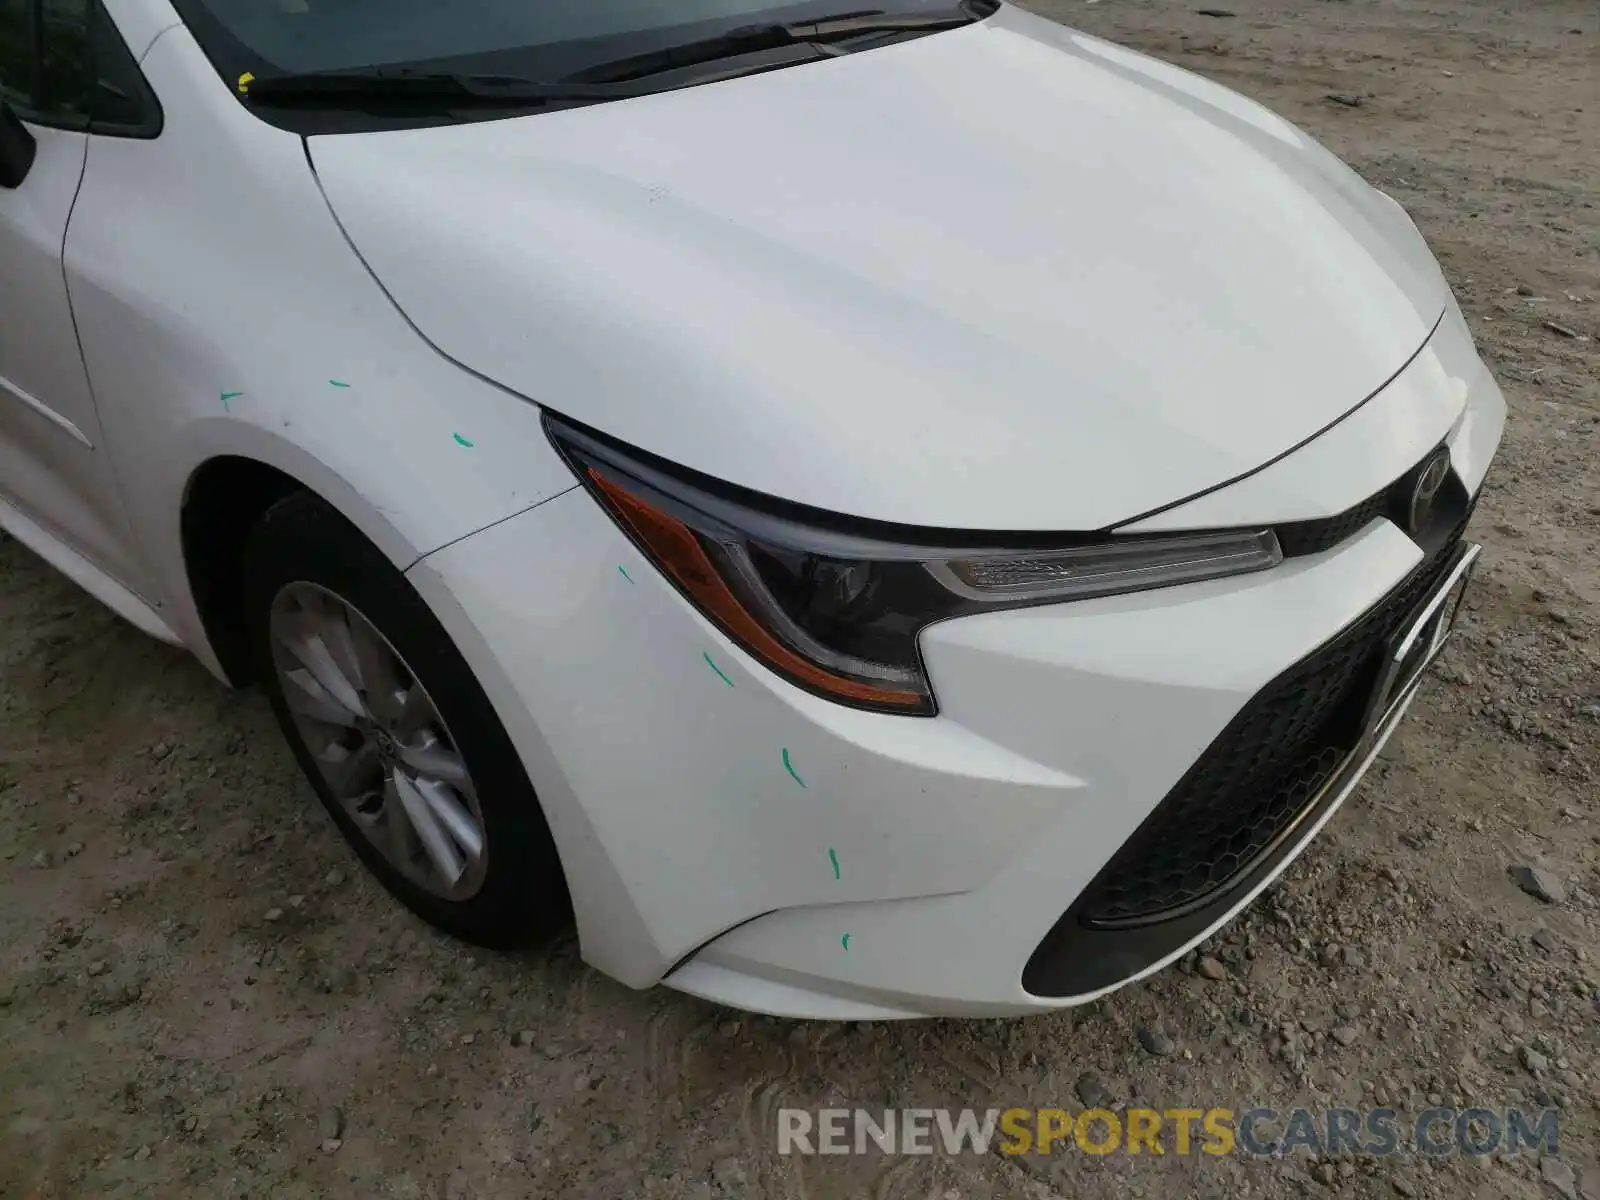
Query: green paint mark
(789,767)
(833,857)
(715,668)
(461,441)
(845,941)
(227,396)
(338,383)
(625,574)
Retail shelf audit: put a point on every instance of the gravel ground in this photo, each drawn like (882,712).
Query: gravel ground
(201,994)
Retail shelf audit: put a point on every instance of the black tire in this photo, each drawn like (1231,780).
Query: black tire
(523,897)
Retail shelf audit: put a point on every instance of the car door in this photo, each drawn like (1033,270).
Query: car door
(54,467)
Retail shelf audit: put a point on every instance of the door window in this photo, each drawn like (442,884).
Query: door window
(16,52)
(66,76)
(62,63)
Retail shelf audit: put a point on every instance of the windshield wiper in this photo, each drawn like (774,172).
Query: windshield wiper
(392,89)
(751,39)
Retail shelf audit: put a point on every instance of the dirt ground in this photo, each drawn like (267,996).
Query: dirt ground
(195,974)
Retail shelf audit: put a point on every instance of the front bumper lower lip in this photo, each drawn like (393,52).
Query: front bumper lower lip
(1077,958)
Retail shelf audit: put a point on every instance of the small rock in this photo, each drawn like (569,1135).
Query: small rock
(1544,939)
(142,1153)
(160,750)
(331,1145)
(1324,1173)
(523,1038)
(74,849)
(1533,1060)
(1156,1041)
(468,1038)
(1347,99)
(1403,1187)
(1540,883)
(190,1123)
(274,915)
(296,901)
(334,878)
(1093,1091)
(1215,12)
(330,1123)
(1524,290)
(1559,1176)
(1561,330)
(40,861)
(1210,968)
(1380,1094)
(1345,1035)
(96,969)
(730,1176)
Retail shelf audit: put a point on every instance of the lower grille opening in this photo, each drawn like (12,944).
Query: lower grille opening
(1261,775)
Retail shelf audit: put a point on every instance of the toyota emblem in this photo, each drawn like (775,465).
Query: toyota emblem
(1429,481)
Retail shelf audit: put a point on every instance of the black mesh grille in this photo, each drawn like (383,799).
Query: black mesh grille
(1313,537)
(1261,773)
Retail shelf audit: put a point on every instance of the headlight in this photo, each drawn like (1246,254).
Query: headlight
(835,604)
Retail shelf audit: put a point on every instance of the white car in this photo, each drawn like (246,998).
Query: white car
(896,513)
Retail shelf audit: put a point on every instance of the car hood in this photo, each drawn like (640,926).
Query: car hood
(1006,277)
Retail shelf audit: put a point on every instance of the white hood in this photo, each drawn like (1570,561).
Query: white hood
(1005,277)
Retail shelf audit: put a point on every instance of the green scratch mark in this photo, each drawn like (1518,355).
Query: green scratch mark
(625,574)
(717,669)
(789,767)
(461,441)
(833,857)
(845,941)
(227,396)
(338,383)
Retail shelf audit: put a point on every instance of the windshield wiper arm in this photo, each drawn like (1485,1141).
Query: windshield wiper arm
(427,89)
(751,39)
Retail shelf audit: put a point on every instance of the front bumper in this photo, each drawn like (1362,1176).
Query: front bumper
(750,843)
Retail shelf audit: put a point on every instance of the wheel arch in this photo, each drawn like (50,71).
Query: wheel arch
(223,497)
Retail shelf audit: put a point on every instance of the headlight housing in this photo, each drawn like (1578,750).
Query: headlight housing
(836,604)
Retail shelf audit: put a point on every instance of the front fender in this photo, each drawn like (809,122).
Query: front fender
(222,312)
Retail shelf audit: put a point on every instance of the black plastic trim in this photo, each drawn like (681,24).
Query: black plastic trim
(1079,956)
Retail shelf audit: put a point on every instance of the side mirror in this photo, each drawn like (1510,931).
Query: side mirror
(17,148)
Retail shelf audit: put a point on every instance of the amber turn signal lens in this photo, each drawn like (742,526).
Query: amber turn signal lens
(678,551)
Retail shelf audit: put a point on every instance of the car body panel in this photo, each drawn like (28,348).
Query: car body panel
(1040,763)
(203,343)
(54,465)
(1004,277)
(141,22)
(1445,394)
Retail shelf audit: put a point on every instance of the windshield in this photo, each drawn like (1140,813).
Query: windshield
(543,39)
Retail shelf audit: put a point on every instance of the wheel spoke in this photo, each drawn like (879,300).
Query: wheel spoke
(307,698)
(456,820)
(427,828)
(434,760)
(396,830)
(307,640)
(381,678)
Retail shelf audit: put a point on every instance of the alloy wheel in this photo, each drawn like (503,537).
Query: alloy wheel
(378,741)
